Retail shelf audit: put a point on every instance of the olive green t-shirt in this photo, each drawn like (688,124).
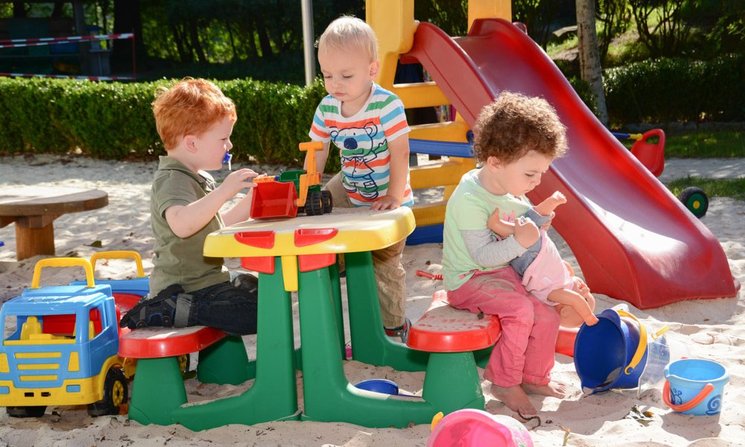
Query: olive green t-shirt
(180,260)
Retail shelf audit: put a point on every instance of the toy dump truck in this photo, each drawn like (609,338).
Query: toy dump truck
(60,346)
(292,191)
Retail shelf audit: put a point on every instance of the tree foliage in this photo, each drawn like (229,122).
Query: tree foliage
(223,31)
(661,25)
(541,16)
(614,16)
(450,15)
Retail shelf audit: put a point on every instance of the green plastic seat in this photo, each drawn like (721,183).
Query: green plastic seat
(451,336)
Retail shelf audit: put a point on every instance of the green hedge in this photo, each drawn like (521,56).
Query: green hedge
(115,121)
(668,90)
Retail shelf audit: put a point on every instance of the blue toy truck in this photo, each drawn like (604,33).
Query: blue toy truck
(60,346)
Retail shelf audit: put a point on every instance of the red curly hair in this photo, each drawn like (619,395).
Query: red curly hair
(190,107)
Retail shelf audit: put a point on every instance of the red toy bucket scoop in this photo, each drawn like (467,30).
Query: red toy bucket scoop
(273,199)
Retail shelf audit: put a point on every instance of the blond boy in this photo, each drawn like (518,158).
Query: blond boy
(368,126)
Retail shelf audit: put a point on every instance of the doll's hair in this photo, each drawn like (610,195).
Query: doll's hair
(190,107)
(348,32)
(514,124)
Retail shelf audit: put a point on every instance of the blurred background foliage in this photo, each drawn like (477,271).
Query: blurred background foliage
(663,60)
(262,39)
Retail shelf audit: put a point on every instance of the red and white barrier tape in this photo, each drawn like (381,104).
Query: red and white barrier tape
(41,41)
(59,76)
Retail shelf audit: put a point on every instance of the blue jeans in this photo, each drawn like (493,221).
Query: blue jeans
(227,306)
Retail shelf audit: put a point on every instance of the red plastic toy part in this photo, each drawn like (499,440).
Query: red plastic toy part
(705,391)
(273,199)
(565,341)
(311,236)
(435,276)
(651,154)
(446,329)
(167,342)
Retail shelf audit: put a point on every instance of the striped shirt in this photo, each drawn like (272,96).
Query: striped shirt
(362,140)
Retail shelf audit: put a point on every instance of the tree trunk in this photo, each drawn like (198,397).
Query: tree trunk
(127,19)
(589,56)
(196,44)
(264,41)
(19,10)
(184,53)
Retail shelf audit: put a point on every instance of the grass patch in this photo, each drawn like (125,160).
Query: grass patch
(706,144)
(702,144)
(734,188)
(553,48)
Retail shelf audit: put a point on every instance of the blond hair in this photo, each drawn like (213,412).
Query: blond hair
(349,32)
(515,124)
(190,107)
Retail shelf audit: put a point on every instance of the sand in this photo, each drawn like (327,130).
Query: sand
(710,329)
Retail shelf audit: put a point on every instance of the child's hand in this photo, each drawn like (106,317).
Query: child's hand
(238,180)
(499,226)
(526,232)
(385,203)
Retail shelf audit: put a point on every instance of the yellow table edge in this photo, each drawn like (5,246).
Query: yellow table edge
(358,230)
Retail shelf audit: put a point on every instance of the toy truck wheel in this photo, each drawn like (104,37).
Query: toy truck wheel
(314,204)
(26,412)
(115,394)
(327,201)
(695,200)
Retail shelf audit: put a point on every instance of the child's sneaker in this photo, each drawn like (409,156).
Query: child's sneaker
(401,331)
(157,311)
(248,282)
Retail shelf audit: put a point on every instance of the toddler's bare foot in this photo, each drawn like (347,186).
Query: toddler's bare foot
(553,389)
(515,399)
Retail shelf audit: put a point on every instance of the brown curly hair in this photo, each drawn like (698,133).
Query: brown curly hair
(515,124)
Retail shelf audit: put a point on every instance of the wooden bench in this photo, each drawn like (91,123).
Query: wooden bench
(451,336)
(34,209)
(158,386)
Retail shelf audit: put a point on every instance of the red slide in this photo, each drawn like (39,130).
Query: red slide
(632,238)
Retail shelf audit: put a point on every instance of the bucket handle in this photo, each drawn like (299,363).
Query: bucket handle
(705,391)
(641,348)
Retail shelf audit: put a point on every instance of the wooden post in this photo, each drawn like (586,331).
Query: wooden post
(32,240)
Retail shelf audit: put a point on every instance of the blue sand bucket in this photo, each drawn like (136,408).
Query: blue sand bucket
(695,386)
(611,353)
(379,386)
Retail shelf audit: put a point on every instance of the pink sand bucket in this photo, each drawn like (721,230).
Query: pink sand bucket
(695,386)
(476,428)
